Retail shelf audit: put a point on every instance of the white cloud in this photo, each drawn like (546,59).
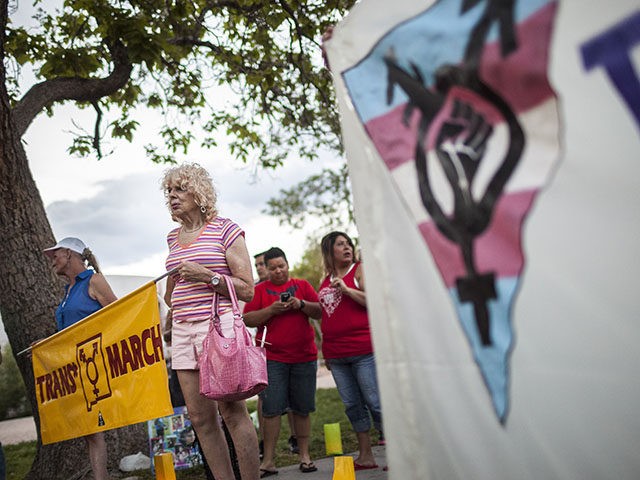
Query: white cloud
(124,222)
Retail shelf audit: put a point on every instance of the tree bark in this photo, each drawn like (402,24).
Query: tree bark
(30,291)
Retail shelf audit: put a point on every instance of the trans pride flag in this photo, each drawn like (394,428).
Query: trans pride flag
(453,99)
(493,149)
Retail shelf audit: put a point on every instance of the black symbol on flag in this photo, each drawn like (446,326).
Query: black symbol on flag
(93,371)
(460,144)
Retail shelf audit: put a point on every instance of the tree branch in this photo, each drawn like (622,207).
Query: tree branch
(196,42)
(285,6)
(96,130)
(79,89)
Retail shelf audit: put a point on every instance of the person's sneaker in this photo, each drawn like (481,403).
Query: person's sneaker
(293,444)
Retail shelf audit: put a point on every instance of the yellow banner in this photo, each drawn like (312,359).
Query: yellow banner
(104,372)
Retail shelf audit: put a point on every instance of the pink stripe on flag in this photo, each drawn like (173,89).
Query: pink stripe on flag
(521,78)
(498,250)
(395,142)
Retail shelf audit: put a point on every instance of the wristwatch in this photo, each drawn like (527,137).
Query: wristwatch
(302,304)
(215,280)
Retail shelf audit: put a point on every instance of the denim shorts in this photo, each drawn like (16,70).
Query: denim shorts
(292,386)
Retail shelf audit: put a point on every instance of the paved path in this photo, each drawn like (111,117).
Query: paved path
(17,430)
(325,469)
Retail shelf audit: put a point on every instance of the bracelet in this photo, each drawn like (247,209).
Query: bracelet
(302,304)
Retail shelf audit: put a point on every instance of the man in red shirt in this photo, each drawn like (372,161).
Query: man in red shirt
(280,309)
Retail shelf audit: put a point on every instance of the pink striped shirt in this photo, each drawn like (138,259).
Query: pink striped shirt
(191,302)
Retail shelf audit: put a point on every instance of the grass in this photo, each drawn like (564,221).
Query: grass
(19,458)
(329,409)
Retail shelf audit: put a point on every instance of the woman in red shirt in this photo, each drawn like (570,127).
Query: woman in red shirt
(346,341)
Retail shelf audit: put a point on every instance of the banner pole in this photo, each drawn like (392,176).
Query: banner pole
(170,272)
(21,352)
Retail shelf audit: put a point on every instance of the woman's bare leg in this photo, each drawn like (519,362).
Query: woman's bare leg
(203,414)
(245,440)
(98,455)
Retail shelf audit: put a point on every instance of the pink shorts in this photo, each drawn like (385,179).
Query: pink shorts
(186,344)
(187,338)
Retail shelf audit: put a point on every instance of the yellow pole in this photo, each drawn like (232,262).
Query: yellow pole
(164,466)
(343,468)
(333,439)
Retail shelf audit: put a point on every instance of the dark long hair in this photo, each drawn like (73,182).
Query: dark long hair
(326,245)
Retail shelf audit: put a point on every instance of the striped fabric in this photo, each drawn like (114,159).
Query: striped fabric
(191,302)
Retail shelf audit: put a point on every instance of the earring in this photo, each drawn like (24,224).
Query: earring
(203,210)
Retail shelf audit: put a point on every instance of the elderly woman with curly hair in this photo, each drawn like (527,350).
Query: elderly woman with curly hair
(203,248)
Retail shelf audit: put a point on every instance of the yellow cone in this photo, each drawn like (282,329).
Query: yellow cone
(343,468)
(333,438)
(163,464)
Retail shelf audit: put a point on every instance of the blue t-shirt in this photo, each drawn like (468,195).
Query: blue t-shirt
(76,304)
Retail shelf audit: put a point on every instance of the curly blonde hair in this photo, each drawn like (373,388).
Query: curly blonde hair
(196,180)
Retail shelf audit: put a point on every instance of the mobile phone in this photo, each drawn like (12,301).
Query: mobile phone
(285,296)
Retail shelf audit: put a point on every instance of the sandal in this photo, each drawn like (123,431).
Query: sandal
(267,473)
(357,466)
(307,467)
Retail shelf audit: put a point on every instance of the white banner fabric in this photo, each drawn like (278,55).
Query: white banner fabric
(564,401)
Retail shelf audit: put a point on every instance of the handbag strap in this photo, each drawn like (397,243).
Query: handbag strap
(232,295)
(237,316)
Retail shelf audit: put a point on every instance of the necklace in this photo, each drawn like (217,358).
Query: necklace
(191,231)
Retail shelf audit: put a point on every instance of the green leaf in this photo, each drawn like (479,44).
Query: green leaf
(249,69)
(124,129)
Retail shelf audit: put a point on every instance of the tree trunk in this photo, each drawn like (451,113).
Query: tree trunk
(30,291)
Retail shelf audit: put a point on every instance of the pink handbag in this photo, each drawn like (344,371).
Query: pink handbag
(231,369)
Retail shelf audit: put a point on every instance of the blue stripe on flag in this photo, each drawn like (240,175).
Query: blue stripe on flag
(433,38)
(493,359)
